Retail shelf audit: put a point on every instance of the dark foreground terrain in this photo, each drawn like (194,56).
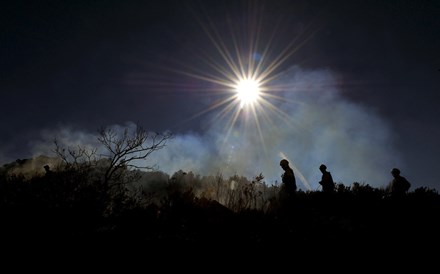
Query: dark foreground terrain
(58,214)
(346,219)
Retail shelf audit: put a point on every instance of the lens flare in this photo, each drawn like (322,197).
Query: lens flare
(237,66)
(248,91)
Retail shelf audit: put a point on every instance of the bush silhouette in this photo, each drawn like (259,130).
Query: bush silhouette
(75,205)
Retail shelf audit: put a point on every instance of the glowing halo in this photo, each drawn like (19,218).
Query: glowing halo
(239,65)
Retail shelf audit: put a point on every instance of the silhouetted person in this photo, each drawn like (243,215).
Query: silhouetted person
(47,169)
(399,185)
(288,186)
(328,186)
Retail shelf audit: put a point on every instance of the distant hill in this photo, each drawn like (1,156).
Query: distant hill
(30,167)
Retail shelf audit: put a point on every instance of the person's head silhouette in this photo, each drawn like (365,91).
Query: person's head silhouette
(395,172)
(284,164)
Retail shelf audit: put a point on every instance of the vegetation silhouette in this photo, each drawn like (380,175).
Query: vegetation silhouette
(75,205)
(79,204)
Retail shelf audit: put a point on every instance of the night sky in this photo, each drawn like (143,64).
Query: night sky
(354,84)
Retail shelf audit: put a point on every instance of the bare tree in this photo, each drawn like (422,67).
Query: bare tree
(127,147)
(75,157)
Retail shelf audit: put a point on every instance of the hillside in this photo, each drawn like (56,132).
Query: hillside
(71,206)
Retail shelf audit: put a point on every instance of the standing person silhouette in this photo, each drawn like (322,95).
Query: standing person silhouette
(328,186)
(288,186)
(399,185)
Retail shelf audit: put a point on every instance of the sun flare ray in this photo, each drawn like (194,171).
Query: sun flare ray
(243,66)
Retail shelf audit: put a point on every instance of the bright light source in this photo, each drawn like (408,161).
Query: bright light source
(248,91)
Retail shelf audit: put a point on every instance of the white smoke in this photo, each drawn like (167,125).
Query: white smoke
(354,143)
(67,137)
(322,127)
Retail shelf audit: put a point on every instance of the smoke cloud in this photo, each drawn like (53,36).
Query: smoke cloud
(320,127)
(354,142)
